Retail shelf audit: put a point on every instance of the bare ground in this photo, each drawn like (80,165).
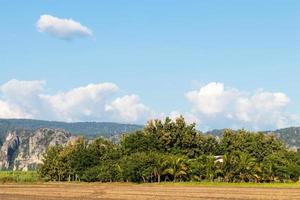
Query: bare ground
(117,191)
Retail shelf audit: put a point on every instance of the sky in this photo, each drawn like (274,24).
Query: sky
(232,64)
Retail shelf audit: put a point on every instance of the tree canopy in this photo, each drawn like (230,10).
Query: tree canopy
(174,151)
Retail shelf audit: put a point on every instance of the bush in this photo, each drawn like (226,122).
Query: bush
(19,176)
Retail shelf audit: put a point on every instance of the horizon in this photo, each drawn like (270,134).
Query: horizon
(133,124)
(220,64)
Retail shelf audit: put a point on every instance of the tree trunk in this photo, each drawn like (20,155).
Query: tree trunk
(158,178)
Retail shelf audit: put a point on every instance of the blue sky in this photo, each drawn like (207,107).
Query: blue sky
(159,51)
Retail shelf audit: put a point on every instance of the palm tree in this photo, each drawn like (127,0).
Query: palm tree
(210,167)
(246,166)
(158,167)
(176,167)
(226,168)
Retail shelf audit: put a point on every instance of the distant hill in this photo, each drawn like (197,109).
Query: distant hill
(215,132)
(89,129)
(291,135)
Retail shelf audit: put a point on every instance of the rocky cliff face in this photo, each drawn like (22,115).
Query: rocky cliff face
(23,150)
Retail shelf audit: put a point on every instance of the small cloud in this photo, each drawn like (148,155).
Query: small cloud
(65,29)
(189,117)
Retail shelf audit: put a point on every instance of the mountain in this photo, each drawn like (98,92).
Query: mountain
(88,129)
(291,136)
(23,150)
(23,141)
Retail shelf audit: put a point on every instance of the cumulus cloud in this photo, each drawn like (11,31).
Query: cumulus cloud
(189,117)
(217,106)
(128,108)
(211,99)
(82,103)
(9,111)
(93,102)
(22,97)
(62,28)
(212,106)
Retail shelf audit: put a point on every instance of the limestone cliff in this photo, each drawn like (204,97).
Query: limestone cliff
(23,150)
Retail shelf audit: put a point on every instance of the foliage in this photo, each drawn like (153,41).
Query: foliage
(174,137)
(174,151)
(19,176)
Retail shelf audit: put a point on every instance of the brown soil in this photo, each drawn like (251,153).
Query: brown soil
(143,192)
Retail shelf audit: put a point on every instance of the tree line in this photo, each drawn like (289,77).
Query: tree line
(173,151)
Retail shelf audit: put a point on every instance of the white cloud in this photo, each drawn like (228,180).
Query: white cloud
(210,99)
(189,117)
(82,103)
(14,88)
(263,108)
(128,108)
(94,102)
(217,106)
(212,106)
(23,96)
(62,28)
(10,111)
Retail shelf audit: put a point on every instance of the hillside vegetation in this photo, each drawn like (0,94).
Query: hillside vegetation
(291,136)
(174,151)
(89,129)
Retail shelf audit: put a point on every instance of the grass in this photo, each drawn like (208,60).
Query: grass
(19,177)
(33,177)
(222,184)
(190,184)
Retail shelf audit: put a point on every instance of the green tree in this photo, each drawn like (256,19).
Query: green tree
(50,167)
(247,167)
(138,167)
(176,167)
